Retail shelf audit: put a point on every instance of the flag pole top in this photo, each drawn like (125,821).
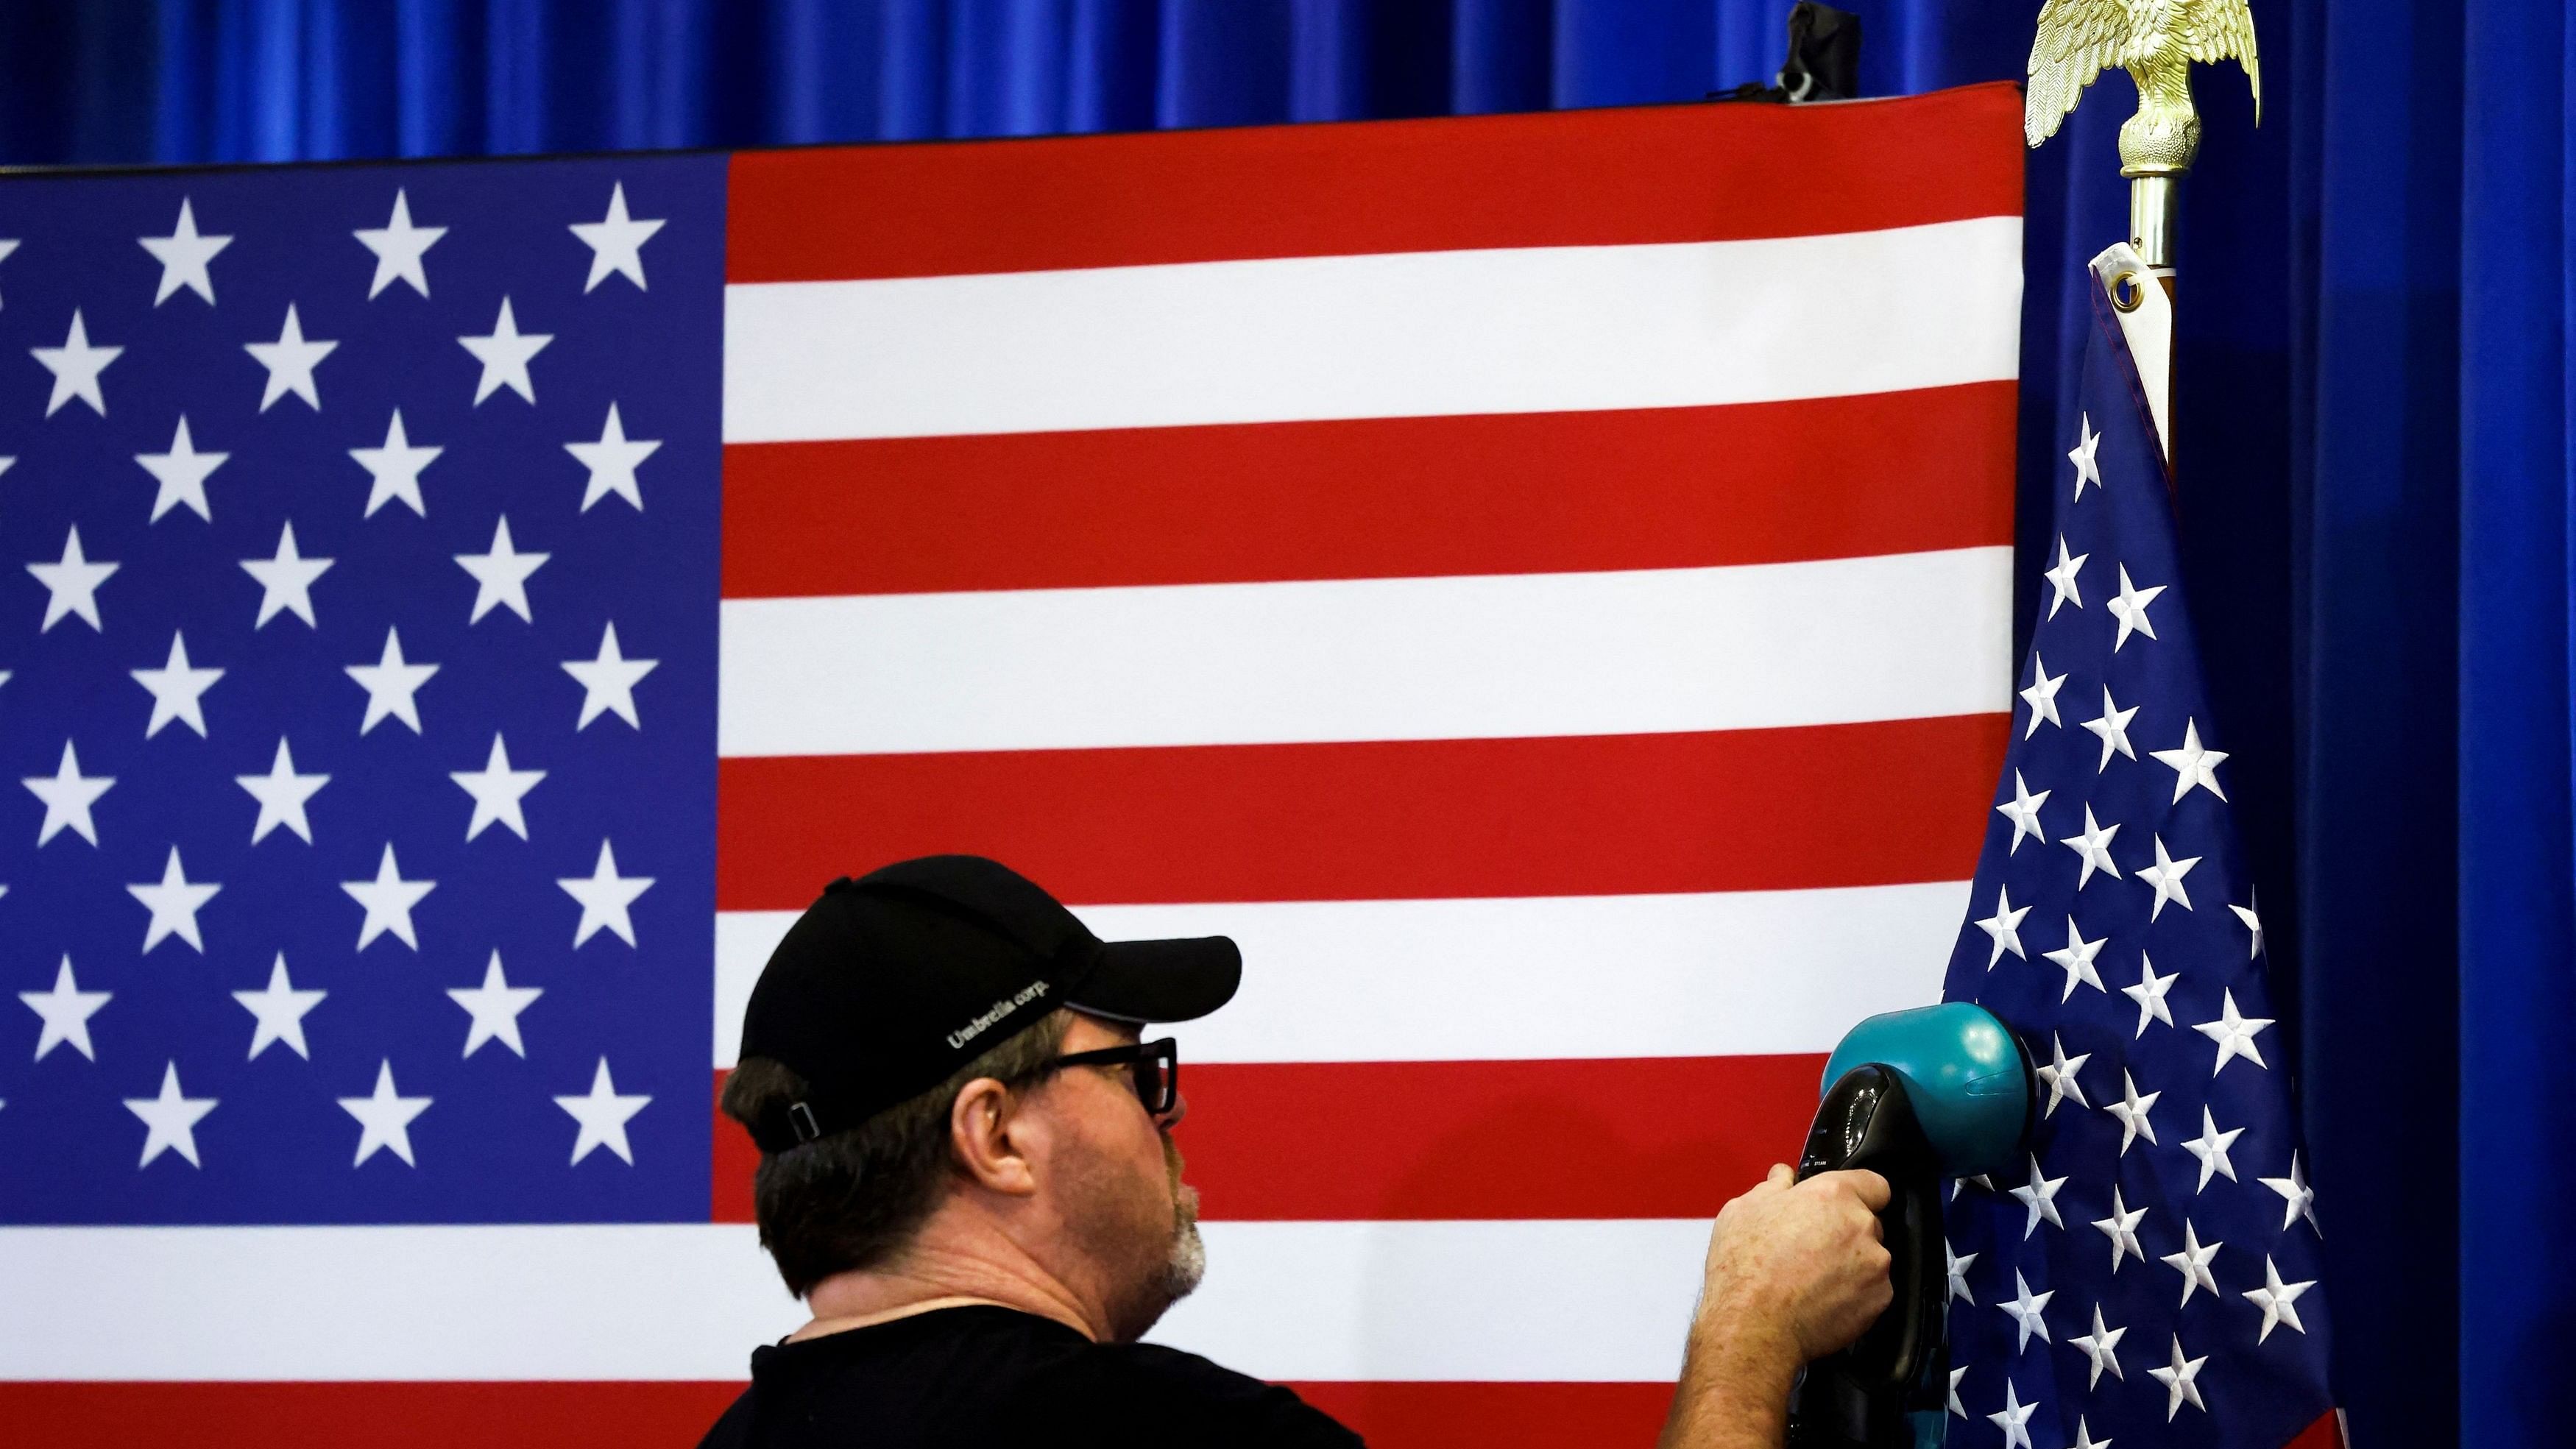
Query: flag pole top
(2155,44)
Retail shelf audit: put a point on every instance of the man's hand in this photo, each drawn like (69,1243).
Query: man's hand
(1795,1271)
(1805,1257)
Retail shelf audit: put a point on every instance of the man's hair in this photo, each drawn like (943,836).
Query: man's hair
(853,1199)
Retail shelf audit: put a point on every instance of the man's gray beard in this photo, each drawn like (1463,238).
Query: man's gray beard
(1186,1264)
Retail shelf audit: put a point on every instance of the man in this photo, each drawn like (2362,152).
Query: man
(967,1173)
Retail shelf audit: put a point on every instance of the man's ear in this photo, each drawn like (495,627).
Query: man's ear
(986,1138)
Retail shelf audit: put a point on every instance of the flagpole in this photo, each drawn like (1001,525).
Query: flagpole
(2076,41)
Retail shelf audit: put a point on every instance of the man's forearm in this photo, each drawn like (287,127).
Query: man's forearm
(1734,1390)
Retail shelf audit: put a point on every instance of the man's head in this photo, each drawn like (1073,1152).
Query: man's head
(903,1072)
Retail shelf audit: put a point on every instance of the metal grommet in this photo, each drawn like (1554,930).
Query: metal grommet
(2133,297)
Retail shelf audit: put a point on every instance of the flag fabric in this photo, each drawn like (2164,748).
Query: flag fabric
(1540,583)
(2150,1272)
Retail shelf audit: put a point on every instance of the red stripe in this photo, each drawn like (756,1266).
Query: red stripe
(1477,1415)
(378,1415)
(1375,498)
(1438,1140)
(1668,1137)
(2325,1433)
(1867,804)
(1568,178)
(674,1415)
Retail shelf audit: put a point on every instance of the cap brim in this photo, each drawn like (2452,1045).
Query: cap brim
(1172,980)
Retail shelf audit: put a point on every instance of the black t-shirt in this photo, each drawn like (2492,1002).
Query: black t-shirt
(977,1376)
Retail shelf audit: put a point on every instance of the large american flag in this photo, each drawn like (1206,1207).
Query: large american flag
(2150,1272)
(1540,583)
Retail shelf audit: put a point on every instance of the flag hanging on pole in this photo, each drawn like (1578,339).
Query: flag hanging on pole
(2149,1274)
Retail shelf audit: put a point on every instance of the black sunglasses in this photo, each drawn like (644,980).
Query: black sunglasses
(1153,1069)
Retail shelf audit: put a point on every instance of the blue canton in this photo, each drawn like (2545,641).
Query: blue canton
(379,889)
(2150,1274)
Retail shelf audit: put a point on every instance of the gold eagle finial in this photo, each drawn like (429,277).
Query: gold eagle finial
(2155,41)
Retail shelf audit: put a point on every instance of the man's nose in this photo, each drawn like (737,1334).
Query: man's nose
(1172,1118)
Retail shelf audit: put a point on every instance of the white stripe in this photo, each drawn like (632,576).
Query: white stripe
(1738,973)
(1835,641)
(1546,329)
(1398,1300)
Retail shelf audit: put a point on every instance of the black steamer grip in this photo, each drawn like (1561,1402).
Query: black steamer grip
(1859,1394)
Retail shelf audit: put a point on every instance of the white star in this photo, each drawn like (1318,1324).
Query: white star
(2077,959)
(2130,608)
(1959,1266)
(279,1010)
(2131,1110)
(2058,1077)
(2024,1306)
(2193,1261)
(384,1118)
(2014,1419)
(2084,1434)
(2061,578)
(68,794)
(174,901)
(504,353)
(2093,847)
(2166,876)
(2121,1227)
(616,242)
(2178,1380)
(2234,1034)
(2041,695)
(65,1011)
(71,586)
(1956,1407)
(399,246)
(281,794)
(495,1006)
(612,462)
(2192,765)
(170,1120)
(183,255)
(2211,1148)
(2081,455)
(182,474)
(497,790)
(2112,727)
(395,469)
(177,690)
(602,1114)
(2005,926)
(76,366)
(501,576)
(390,683)
(2277,1300)
(2149,993)
(605,896)
(2253,922)
(608,682)
(388,900)
(286,580)
(2101,1346)
(7,245)
(2040,1196)
(290,361)
(2023,811)
(2298,1200)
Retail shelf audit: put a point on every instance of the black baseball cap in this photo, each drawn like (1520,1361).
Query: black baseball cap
(889,983)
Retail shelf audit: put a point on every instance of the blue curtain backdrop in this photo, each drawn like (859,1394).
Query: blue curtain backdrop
(2373,444)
